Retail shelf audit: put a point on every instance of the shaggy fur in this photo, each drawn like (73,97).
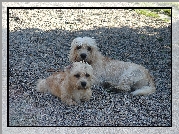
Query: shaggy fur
(72,85)
(122,75)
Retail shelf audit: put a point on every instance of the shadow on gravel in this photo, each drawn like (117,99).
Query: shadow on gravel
(34,53)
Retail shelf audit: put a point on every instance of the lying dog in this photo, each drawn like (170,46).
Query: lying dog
(122,75)
(72,85)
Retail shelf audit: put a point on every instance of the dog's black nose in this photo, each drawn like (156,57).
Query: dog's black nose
(83,83)
(83,55)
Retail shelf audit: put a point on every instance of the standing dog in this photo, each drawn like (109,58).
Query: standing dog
(72,85)
(122,75)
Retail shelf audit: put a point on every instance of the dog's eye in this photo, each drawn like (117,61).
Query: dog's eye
(89,49)
(78,47)
(87,75)
(77,75)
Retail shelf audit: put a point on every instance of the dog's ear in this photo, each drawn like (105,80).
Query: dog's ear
(72,54)
(94,79)
(95,54)
(68,68)
(94,42)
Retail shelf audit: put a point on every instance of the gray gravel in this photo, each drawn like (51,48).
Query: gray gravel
(39,42)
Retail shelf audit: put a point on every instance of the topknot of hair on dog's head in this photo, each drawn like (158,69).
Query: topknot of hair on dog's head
(78,40)
(84,40)
(90,41)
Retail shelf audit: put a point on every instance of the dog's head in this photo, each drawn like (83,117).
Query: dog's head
(80,75)
(83,49)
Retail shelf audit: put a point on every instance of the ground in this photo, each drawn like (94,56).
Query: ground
(39,42)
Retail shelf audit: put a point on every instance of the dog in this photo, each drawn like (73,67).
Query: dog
(124,76)
(71,85)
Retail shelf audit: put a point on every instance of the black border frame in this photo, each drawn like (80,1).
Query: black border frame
(78,8)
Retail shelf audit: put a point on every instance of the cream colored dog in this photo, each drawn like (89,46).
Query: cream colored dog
(72,85)
(122,75)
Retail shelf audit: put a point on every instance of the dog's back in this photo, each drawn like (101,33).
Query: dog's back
(51,84)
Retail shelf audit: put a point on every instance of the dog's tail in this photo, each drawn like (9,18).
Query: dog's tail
(146,89)
(42,86)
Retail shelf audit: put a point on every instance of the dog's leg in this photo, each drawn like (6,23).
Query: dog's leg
(68,100)
(139,80)
(144,87)
(76,96)
(107,84)
(144,90)
(87,95)
(129,78)
(115,87)
(66,96)
(123,86)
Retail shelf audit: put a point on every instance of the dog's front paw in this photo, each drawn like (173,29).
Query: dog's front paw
(68,101)
(71,102)
(106,84)
(123,87)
